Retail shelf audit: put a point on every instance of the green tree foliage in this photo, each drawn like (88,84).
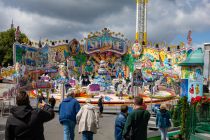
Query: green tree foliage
(181,117)
(7,39)
(185,119)
(80,59)
(128,60)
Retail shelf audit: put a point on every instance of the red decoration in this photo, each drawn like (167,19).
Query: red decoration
(200,99)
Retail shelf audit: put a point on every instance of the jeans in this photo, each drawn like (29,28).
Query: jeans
(87,135)
(69,127)
(163,132)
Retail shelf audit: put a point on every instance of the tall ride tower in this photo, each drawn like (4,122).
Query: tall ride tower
(141,21)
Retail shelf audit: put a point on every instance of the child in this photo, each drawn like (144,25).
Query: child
(120,122)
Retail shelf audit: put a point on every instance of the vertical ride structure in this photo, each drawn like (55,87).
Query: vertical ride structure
(141,21)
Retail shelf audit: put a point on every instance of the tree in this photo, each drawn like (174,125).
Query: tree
(128,60)
(80,59)
(7,39)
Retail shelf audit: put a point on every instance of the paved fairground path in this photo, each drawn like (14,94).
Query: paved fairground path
(54,130)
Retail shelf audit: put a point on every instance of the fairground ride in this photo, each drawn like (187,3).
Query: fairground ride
(141,21)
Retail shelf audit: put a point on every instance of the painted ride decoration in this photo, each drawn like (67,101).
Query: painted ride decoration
(192,75)
(103,62)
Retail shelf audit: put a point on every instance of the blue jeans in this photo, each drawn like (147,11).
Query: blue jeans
(68,127)
(163,132)
(87,135)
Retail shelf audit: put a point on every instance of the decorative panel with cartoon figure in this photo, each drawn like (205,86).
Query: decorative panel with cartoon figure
(195,86)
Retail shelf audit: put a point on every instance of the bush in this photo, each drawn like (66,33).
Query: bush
(175,113)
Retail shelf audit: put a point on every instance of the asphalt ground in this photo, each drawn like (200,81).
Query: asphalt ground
(54,130)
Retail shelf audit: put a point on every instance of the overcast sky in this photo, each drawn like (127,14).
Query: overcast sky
(168,20)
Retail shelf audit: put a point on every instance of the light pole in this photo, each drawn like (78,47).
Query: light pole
(63,90)
(207,49)
(62,80)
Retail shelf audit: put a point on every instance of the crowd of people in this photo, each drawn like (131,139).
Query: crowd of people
(26,123)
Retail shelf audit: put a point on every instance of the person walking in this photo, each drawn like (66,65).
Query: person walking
(100,105)
(68,110)
(121,95)
(137,121)
(40,98)
(26,123)
(88,121)
(163,121)
(120,122)
(120,90)
(52,102)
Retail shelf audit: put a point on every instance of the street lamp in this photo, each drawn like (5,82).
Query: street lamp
(207,49)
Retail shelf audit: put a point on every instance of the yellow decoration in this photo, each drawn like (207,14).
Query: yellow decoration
(145,37)
(197,89)
(162,55)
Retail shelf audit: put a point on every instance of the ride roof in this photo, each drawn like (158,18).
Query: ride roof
(196,58)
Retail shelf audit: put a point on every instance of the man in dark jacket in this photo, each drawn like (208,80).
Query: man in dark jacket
(137,121)
(52,102)
(25,123)
(68,110)
(120,122)
(100,105)
(40,98)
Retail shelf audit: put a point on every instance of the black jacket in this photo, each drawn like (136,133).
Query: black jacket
(52,102)
(26,123)
(136,124)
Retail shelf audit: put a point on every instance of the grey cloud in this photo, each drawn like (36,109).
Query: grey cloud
(75,10)
(66,19)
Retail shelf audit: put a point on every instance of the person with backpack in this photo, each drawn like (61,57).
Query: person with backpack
(137,121)
(26,123)
(87,120)
(163,121)
(120,122)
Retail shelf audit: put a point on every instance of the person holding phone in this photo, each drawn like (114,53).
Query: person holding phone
(26,123)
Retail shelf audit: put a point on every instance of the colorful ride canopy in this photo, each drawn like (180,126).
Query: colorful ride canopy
(156,62)
(104,42)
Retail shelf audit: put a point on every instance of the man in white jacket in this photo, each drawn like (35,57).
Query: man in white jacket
(87,118)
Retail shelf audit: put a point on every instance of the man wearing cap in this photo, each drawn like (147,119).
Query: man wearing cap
(68,110)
